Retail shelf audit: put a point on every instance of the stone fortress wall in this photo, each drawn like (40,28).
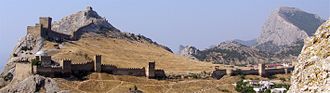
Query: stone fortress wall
(261,71)
(66,68)
(43,29)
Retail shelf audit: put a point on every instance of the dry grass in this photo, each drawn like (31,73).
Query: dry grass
(124,53)
(132,54)
(105,83)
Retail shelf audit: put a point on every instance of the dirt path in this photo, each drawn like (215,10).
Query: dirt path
(75,88)
(121,83)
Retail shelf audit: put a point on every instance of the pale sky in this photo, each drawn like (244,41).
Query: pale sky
(200,23)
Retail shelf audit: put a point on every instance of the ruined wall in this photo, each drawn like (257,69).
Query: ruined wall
(21,70)
(217,74)
(130,71)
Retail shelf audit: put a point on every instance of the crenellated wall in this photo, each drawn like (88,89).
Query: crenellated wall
(49,71)
(67,68)
(87,66)
(130,71)
(108,68)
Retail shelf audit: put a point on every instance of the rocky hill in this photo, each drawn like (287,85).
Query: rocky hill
(95,36)
(230,52)
(311,73)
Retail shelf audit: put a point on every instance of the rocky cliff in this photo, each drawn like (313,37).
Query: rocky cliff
(287,25)
(311,73)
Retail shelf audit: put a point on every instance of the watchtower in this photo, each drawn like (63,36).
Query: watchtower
(229,71)
(66,66)
(261,69)
(150,72)
(97,63)
(46,25)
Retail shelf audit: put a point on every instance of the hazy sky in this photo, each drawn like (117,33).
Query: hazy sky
(200,23)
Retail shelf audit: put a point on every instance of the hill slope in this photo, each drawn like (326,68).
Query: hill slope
(91,35)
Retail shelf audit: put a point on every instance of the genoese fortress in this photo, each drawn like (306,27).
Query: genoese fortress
(48,67)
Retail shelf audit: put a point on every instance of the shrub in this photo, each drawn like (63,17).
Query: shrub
(243,87)
(282,79)
(36,62)
(287,86)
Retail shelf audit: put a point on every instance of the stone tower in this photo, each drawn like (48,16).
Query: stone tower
(97,63)
(229,71)
(46,25)
(150,72)
(66,65)
(261,69)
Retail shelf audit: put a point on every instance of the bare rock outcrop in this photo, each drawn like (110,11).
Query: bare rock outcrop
(189,51)
(312,72)
(32,84)
(287,25)
(87,19)
(88,23)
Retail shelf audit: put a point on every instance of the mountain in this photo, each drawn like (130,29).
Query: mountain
(281,40)
(247,42)
(229,52)
(287,25)
(81,36)
(311,73)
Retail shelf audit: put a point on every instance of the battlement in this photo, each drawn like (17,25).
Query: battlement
(66,60)
(56,67)
(87,62)
(130,68)
(67,67)
(108,65)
